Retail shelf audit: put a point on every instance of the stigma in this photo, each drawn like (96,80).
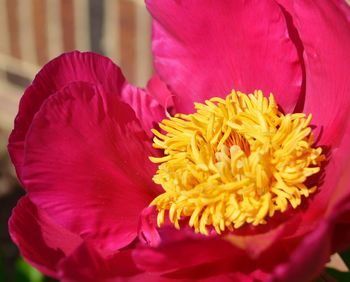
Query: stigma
(234,161)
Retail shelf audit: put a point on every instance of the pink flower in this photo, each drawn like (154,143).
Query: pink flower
(82,139)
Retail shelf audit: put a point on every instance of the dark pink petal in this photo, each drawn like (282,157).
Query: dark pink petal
(286,4)
(338,208)
(70,67)
(331,211)
(148,230)
(341,232)
(86,164)
(229,277)
(179,251)
(158,89)
(255,245)
(89,264)
(344,6)
(287,8)
(308,260)
(41,241)
(146,107)
(324,31)
(206,48)
(328,88)
(186,256)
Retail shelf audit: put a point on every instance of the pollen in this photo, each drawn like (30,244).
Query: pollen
(234,161)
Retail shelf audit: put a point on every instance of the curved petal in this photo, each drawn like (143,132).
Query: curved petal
(308,259)
(344,5)
(255,245)
(146,107)
(86,163)
(324,31)
(183,255)
(328,88)
(338,208)
(206,48)
(288,11)
(331,209)
(325,56)
(70,67)
(158,89)
(182,251)
(42,242)
(341,232)
(89,264)
(148,230)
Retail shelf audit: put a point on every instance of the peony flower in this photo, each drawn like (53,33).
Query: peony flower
(236,188)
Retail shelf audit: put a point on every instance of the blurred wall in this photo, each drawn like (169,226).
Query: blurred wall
(35,31)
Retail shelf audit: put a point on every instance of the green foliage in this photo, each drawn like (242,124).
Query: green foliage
(346,257)
(338,275)
(2,271)
(26,273)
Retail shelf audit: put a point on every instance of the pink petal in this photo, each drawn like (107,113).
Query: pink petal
(41,241)
(183,255)
(86,164)
(89,264)
(255,245)
(180,250)
(148,230)
(146,107)
(324,31)
(70,67)
(288,12)
(158,89)
(341,231)
(344,6)
(229,277)
(326,223)
(332,234)
(308,259)
(338,208)
(204,49)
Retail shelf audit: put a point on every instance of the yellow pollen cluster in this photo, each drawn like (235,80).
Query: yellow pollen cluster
(234,161)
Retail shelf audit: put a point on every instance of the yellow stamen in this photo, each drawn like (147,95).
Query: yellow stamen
(236,160)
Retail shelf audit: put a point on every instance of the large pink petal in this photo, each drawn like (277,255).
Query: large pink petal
(338,208)
(331,235)
(344,6)
(324,31)
(326,60)
(86,164)
(76,66)
(205,48)
(181,253)
(330,210)
(184,255)
(308,259)
(42,242)
(89,264)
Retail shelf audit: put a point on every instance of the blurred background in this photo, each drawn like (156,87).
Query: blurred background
(32,32)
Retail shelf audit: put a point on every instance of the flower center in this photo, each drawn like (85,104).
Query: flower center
(232,162)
